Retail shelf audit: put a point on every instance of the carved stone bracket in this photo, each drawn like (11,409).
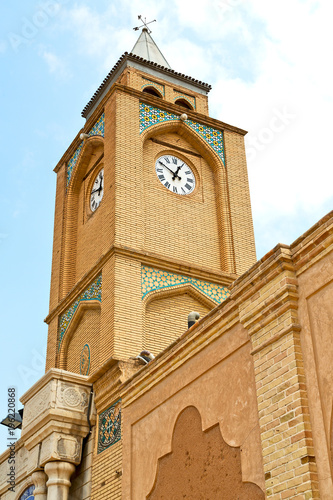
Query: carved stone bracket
(55,417)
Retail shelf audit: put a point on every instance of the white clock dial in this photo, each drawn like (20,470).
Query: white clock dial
(97,191)
(175,174)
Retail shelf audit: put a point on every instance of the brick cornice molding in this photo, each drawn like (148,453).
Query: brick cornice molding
(146,258)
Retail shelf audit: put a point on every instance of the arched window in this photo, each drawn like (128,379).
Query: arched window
(151,91)
(28,494)
(184,103)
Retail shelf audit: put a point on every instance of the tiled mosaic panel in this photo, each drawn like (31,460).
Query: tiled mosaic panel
(85,360)
(149,115)
(28,494)
(97,129)
(109,427)
(157,86)
(155,279)
(93,292)
(188,98)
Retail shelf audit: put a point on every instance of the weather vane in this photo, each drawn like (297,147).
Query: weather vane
(145,24)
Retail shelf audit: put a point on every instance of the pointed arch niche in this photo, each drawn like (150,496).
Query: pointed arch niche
(201,465)
(82,241)
(194,228)
(166,312)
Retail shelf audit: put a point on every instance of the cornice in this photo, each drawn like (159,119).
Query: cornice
(132,57)
(147,258)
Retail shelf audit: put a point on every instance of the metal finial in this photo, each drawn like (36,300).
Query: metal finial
(145,24)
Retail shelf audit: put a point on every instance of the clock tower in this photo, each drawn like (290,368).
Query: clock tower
(152,217)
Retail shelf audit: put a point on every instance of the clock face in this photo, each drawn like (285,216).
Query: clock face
(175,174)
(97,191)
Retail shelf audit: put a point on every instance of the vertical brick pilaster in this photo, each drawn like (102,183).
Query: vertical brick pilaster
(286,436)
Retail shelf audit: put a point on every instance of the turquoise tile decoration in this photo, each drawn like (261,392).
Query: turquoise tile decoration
(149,115)
(97,129)
(109,427)
(28,494)
(157,86)
(155,279)
(92,292)
(85,360)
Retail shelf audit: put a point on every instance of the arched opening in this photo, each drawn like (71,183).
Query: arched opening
(152,91)
(184,103)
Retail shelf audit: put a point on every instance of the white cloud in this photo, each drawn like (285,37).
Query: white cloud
(56,65)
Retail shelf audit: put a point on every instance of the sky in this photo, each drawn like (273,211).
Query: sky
(269,64)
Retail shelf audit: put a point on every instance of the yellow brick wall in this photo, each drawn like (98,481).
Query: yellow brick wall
(57,237)
(183,227)
(89,225)
(240,203)
(166,318)
(106,480)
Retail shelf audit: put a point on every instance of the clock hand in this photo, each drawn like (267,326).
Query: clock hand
(176,173)
(173,173)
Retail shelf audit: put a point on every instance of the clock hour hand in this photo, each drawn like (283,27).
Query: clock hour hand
(176,173)
(173,173)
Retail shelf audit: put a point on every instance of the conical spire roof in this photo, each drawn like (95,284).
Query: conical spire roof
(146,48)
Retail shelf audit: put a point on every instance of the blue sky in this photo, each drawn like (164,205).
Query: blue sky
(269,66)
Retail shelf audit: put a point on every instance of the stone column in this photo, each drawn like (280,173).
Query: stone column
(39,479)
(59,474)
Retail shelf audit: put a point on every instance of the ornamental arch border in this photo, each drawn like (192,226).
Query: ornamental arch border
(70,331)
(69,242)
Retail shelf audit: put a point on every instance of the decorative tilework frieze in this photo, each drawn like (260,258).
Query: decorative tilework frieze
(149,83)
(155,279)
(149,115)
(85,360)
(188,98)
(109,426)
(92,292)
(28,494)
(97,129)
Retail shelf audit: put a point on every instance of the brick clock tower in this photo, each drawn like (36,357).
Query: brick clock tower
(152,215)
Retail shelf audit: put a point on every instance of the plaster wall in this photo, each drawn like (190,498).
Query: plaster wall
(220,384)
(316,318)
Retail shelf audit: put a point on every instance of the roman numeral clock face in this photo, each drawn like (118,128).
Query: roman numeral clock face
(97,191)
(175,174)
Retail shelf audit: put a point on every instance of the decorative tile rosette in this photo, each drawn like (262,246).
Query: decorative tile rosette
(155,279)
(97,129)
(109,426)
(92,292)
(149,115)
(85,360)
(28,494)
